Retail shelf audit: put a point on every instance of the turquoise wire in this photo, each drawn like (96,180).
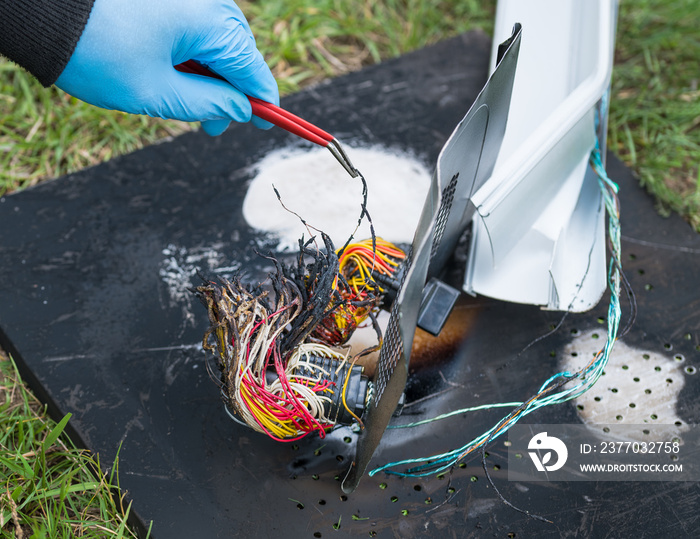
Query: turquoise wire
(456,412)
(436,464)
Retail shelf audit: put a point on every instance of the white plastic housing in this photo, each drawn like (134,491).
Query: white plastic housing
(539,234)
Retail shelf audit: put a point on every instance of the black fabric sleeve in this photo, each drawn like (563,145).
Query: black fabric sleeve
(41,35)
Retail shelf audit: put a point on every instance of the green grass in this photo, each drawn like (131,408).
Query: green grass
(45,133)
(655,109)
(48,488)
(306,41)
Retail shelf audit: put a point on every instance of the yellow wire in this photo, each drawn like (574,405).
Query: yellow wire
(345,389)
(364,265)
(280,429)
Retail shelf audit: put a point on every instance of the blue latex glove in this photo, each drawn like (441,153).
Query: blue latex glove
(125,57)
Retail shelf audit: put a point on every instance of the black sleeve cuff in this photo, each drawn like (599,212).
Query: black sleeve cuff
(41,35)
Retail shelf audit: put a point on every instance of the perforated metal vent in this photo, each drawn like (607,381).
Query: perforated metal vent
(392,347)
(448,195)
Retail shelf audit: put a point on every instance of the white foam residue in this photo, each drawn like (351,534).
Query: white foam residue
(639,387)
(314,185)
(179,267)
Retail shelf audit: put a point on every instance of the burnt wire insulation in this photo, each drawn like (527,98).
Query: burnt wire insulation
(359,264)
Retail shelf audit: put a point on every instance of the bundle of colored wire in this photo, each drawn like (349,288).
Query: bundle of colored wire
(358,263)
(361,262)
(290,405)
(561,387)
(268,379)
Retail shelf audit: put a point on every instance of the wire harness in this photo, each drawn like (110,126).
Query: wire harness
(284,369)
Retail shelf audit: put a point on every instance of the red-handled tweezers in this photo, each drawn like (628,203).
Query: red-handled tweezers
(284,119)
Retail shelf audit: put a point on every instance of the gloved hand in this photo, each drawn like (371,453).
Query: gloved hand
(124,60)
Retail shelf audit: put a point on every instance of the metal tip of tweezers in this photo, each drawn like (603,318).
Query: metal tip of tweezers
(337,150)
